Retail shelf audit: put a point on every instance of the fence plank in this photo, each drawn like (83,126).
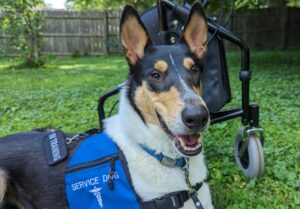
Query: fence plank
(75,32)
(97,32)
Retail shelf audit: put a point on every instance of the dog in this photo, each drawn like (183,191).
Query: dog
(161,109)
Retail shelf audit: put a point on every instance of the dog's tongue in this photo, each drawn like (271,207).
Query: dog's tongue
(190,139)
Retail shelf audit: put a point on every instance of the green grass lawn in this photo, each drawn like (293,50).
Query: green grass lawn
(64,95)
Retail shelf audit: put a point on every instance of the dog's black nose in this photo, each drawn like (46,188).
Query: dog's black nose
(195,117)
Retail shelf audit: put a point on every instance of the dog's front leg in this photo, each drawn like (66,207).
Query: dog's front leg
(203,195)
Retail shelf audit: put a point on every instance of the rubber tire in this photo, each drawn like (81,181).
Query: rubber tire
(252,162)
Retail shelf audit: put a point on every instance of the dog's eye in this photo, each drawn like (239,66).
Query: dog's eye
(155,76)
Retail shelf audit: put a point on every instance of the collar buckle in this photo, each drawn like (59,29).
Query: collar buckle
(169,162)
(166,161)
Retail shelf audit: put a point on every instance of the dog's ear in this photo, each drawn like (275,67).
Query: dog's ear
(133,35)
(195,31)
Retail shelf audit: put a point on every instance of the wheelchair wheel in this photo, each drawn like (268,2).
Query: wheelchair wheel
(248,154)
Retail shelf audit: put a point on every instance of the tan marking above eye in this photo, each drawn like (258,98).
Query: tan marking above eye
(161,66)
(188,63)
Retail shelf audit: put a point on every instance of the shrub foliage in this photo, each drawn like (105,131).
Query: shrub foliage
(21,23)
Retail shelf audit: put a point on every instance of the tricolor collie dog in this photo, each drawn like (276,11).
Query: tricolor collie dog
(158,127)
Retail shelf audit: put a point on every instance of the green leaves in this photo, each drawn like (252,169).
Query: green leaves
(107,4)
(21,23)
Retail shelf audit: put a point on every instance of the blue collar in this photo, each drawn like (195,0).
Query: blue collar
(167,161)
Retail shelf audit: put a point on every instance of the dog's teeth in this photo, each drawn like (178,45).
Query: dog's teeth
(181,142)
(187,148)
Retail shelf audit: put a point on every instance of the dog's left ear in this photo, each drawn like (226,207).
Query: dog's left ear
(133,35)
(195,31)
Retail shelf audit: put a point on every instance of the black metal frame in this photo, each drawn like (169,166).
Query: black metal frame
(248,113)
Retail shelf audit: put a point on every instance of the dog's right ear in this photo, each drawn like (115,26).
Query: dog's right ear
(133,35)
(195,30)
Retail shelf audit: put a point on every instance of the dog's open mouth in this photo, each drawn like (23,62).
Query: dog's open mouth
(188,145)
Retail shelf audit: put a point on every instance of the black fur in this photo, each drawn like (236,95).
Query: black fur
(32,182)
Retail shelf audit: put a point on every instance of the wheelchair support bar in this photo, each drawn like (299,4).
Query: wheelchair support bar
(225,115)
(101,102)
(245,73)
(254,122)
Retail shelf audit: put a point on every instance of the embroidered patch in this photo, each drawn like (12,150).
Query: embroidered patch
(96,176)
(97,193)
(55,149)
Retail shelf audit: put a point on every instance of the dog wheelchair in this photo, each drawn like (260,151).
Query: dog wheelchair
(164,23)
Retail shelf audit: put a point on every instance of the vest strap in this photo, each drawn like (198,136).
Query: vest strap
(173,200)
(196,201)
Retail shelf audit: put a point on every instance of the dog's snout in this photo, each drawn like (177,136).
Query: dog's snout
(195,117)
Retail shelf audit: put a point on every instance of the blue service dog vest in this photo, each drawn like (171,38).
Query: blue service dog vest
(97,176)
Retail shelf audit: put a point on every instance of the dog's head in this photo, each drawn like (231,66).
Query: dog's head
(165,81)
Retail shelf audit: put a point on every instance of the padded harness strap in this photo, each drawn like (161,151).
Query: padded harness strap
(173,200)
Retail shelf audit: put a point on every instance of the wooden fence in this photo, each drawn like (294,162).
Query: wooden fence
(264,29)
(96,32)
(78,32)
(81,32)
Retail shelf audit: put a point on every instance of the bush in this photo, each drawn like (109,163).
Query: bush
(22,23)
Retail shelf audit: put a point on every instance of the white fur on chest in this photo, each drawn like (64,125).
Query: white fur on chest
(150,178)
